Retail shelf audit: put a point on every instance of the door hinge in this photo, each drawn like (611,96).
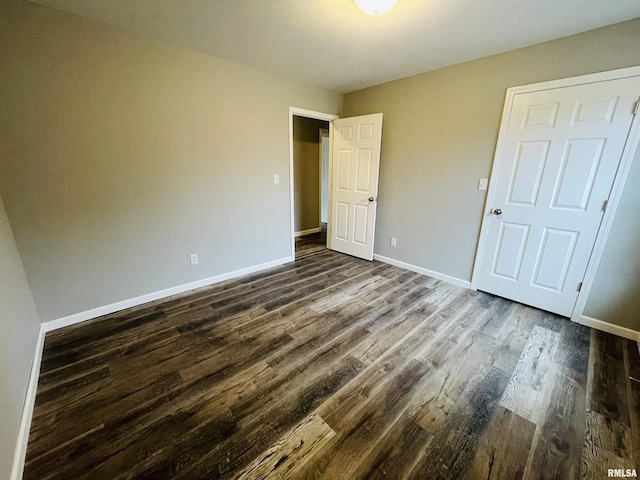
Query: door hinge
(605,205)
(635,110)
(580,286)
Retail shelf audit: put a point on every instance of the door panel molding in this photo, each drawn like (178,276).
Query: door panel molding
(354,188)
(544,118)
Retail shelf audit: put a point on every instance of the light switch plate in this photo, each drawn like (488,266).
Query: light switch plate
(482,184)
(276,179)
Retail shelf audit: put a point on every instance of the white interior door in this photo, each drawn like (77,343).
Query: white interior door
(561,152)
(354,186)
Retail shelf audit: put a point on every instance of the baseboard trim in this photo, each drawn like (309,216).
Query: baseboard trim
(302,233)
(423,271)
(150,297)
(27,410)
(623,332)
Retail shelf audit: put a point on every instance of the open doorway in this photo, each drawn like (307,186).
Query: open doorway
(352,186)
(310,184)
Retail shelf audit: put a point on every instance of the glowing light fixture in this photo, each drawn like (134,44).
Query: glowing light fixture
(375,7)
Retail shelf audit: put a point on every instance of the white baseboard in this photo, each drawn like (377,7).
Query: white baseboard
(150,297)
(423,271)
(27,413)
(583,320)
(27,410)
(623,332)
(307,232)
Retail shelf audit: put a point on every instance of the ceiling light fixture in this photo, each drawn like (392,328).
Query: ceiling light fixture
(375,7)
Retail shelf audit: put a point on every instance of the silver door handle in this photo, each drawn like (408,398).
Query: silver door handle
(497,211)
(371,199)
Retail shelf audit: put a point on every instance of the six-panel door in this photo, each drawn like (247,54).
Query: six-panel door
(562,150)
(355,167)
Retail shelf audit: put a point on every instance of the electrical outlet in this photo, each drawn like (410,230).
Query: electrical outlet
(194,259)
(394,241)
(276,179)
(482,184)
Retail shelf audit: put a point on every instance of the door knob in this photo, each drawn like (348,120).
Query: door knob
(371,199)
(497,211)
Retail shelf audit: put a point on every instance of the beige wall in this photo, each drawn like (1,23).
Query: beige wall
(306,171)
(440,131)
(121,155)
(19,325)
(615,296)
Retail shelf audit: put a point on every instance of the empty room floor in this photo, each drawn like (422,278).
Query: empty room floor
(312,243)
(332,367)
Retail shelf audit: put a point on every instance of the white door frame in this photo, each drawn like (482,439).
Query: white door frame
(301,112)
(626,159)
(324,132)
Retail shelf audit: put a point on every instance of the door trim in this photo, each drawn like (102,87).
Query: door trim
(631,145)
(301,112)
(324,132)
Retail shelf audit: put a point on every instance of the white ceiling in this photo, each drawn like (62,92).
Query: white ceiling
(332,44)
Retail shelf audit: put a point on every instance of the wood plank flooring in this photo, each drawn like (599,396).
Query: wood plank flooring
(311,244)
(331,367)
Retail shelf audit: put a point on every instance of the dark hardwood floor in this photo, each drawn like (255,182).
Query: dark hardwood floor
(311,244)
(334,368)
